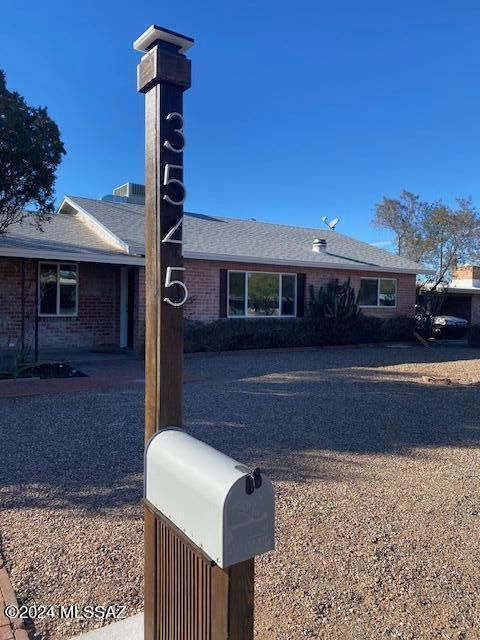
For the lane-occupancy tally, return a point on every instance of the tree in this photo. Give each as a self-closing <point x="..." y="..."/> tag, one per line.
<point x="452" y="236"/>
<point x="432" y="233"/>
<point x="30" y="151"/>
<point x="403" y="216"/>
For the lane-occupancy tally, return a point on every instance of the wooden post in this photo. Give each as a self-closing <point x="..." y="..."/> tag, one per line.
<point x="186" y="595"/>
<point x="163" y="75"/>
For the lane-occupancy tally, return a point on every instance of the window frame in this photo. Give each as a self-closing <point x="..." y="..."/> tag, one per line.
<point x="57" y="314"/>
<point x="270" y="273"/>
<point x="380" y="306"/>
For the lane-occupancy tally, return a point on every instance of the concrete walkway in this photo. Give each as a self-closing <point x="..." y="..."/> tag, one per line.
<point x="129" y="629"/>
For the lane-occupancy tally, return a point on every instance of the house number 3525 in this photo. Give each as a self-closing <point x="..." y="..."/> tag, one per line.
<point x="169" y="179"/>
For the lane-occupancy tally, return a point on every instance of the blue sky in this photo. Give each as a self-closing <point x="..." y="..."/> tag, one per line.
<point x="297" y="110"/>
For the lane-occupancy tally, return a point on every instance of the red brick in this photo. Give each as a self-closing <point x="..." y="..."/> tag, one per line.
<point x="98" y="307"/>
<point x="203" y="282"/>
<point x="98" y="321"/>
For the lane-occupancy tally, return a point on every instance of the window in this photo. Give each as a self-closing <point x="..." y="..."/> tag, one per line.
<point x="377" y="292"/>
<point x="258" y="294"/>
<point x="58" y="289"/>
<point x="236" y="293"/>
<point x="263" y="294"/>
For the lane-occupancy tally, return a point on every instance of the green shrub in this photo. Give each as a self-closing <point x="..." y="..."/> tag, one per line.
<point x="367" y="329"/>
<point x="398" y="328"/>
<point x="268" y="333"/>
<point x="248" y="333"/>
<point x="473" y="335"/>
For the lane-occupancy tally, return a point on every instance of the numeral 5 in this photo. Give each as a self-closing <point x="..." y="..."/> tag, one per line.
<point x="168" y="180"/>
<point x="169" y="283"/>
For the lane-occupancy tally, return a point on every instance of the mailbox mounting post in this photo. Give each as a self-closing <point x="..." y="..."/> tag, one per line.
<point x="162" y="75"/>
<point x="188" y="594"/>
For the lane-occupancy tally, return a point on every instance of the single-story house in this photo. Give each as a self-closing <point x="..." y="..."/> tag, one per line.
<point x="80" y="282"/>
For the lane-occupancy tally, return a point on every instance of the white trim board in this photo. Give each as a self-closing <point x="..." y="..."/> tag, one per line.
<point x="95" y="225"/>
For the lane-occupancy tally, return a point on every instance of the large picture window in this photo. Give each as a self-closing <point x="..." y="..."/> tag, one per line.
<point x="58" y="289"/>
<point x="258" y="294"/>
<point x="378" y="292"/>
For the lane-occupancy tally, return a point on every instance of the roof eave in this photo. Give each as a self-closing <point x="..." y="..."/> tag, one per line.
<point x="463" y="290"/>
<point x="197" y="255"/>
<point x="72" y="256"/>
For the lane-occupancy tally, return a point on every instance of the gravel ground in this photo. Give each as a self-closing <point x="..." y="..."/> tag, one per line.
<point x="376" y="473"/>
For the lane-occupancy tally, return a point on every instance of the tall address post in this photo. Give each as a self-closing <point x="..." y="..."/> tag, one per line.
<point x="163" y="75"/>
<point x="206" y="515"/>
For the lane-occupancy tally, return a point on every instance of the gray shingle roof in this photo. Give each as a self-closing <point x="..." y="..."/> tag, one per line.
<point x="246" y="239"/>
<point x="63" y="234"/>
<point x="205" y="236"/>
<point x="125" y="220"/>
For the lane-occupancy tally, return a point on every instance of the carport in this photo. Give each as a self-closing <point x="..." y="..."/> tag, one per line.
<point x="462" y="303"/>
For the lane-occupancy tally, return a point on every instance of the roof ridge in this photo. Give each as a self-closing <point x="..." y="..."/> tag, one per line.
<point x="106" y="202"/>
<point x="349" y="249"/>
<point x="210" y="215"/>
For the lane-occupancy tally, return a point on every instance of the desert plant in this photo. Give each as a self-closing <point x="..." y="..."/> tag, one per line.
<point x="335" y="301"/>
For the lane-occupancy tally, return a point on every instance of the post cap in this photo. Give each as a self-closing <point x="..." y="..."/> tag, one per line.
<point x="154" y="34"/>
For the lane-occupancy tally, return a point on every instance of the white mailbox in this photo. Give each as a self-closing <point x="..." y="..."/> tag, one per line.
<point x="225" y="508"/>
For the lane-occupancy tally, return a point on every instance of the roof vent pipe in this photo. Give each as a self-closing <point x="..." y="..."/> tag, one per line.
<point x="319" y="245"/>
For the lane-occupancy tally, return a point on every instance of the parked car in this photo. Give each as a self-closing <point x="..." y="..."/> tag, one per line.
<point x="449" y="327"/>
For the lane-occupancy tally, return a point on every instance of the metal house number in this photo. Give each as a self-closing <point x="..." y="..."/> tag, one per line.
<point x="167" y="179"/>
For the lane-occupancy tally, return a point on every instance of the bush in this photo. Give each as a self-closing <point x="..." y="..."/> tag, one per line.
<point x="268" y="333"/>
<point x="251" y="333"/>
<point x="398" y="328"/>
<point x="473" y="335"/>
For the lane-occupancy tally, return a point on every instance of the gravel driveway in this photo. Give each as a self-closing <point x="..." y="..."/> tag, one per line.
<point x="376" y="473"/>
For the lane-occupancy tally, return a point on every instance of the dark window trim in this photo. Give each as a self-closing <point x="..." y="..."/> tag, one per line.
<point x="274" y="273"/>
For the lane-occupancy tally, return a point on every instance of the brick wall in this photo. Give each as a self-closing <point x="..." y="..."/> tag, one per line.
<point x="97" y="322"/>
<point x="467" y="272"/>
<point x="139" y="319"/>
<point x="203" y="281"/>
<point x="11" y="300"/>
